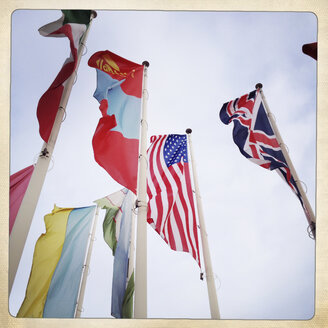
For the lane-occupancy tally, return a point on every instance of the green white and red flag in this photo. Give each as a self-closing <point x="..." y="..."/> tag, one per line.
<point x="72" y="25"/>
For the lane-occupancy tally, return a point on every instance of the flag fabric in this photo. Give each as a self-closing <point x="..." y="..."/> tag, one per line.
<point x="311" y="49"/>
<point x="18" y="184"/>
<point x="255" y="138"/>
<point x="57" y="266"/>
<point x="112" y="221"/>
<point x="72" y="25"/>
<point x="171" y="210"/>
<point x="116" y="139"/>
<point x="117" y="234"/>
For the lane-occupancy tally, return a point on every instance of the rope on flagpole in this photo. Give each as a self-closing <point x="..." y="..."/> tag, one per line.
<point x="145" y="93"/>
<point x="142" y="121"/>
<point x="65" y="114"/>
<point x="75" y="77"/>
<point x="305" y="186"/>
<point x="282" y="143"/>
<point x="310" y="230"/>
<point x="52" y="161"/>
<point x="145" y="158"/>
<point x="134" y="209"/>
<point x="216" y="278"/>
<point x="85" y="48"/>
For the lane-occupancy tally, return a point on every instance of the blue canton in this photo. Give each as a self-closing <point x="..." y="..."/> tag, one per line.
<point x="175" y="148"/>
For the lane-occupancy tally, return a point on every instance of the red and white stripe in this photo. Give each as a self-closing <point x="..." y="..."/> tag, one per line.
<point x="171" y="210"/>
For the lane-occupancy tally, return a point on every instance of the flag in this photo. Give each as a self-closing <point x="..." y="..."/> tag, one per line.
<point x="18" y="184"/>
<point x="57" y="266"/>
<point x="72" y="25"/>
<point x="310" y="49"/>
<point x="171" y="210"/>
<point x="116" y="139"/>
<point x="117" y="234"/>
<point x="112" y="221"/>
<point x="255" y="138"/>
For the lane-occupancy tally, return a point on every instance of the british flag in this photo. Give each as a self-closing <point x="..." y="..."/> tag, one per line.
<point x="255" y="138"/>
<point x="171" y="210"/>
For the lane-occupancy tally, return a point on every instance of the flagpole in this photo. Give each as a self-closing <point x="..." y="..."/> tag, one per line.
<point x="140" y="300"/>
<point x="311" y="220"/>
<point x="85" y="273"/>
<point x="211" y="288"/>
<point x="26" y="211"/>
<point x="132" y="247"/>
<point x="131" y="254"/>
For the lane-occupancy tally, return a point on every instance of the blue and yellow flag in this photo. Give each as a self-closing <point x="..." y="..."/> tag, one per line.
<point x="58" y="260"/>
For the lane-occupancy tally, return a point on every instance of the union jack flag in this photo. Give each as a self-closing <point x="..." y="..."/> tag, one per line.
<point x="255" y="138"/>
<point x="171" y="210"/>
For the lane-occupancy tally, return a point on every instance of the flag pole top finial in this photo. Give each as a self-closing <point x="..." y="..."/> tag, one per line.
<point x="188" y="131"/>
<point x="259" y="86"/>
<point x="145" y="63"/>
<point x="93" y="14"/>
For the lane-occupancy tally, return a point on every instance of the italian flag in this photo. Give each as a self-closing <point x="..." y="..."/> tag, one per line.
<point x="72" y="25"/>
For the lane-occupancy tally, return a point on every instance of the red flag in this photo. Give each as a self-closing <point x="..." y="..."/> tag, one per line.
<point x="18" y="184"/>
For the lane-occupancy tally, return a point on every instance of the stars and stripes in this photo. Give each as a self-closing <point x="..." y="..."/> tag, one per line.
<point x="255" y="138"/>
<point x="171" y="210"/>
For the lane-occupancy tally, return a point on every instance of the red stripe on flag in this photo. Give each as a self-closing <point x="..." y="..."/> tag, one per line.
<point x="254" y="151"/>
<point x="260" y="137"/>
<point x="243" y="102"/>
<point x="229" y="109"/>
<point x="170" y="233"/>
<point x="158" y="195"/>
<point x="181" y="229"/>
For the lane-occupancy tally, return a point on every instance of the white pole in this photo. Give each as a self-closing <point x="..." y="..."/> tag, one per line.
<point x="132" y="252"/>
<point x="140" y="300"/>
<point x="211" y="288"/>
<point x="132" y="246"/>
<point x="26" y="211"/>
<point x="311" y="219"/>
<point x="80" y="299"/>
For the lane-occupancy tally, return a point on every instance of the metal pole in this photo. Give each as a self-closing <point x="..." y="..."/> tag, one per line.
<point x="86" y="267"/>
<point x="26" y="211"/>
<point x="132" y="252"/>
<point x="140" y="300"/>
<point x="311" y="219"/>
<point x="211" y="288"/>
<point x="132" y="246"/>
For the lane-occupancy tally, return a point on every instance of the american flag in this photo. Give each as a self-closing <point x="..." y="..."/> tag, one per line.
<point x="254" y="136"/>
<point x="171" y="210"/>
